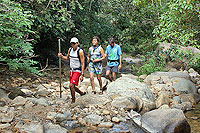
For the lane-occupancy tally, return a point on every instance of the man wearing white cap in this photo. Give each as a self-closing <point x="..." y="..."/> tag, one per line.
<point x="77" y="66"/>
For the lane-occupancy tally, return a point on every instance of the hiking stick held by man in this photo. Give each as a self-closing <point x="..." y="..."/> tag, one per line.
<point x="60" y="67"/>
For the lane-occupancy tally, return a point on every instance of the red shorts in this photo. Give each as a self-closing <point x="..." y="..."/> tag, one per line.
<point x="74" y="78"/>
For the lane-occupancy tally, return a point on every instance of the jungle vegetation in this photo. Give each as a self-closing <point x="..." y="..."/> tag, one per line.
<point x="29" y="29"/>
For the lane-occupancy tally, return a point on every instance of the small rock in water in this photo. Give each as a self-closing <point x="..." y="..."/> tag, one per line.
<point x="194" y="118"/>
<point x="115" y="119"/>
<point x="2" y="103"/>
<point x="106" y="125"/>
<point x="106" y="112"/>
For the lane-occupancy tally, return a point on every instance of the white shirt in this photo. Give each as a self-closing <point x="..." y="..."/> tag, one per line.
<point x="74" y="60"/>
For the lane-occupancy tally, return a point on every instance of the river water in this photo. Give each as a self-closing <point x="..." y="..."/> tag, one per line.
<point x="193" y="118"/>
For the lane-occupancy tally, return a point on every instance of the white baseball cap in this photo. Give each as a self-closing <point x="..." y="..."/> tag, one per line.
<point x="74" y="40"/>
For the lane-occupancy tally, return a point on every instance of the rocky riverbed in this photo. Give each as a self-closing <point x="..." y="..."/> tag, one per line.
<point x="149" y="103"/>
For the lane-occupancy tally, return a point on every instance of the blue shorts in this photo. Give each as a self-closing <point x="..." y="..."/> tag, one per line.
<point x="95" y="67"/>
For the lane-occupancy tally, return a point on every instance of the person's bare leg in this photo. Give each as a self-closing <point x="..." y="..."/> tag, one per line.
<point x="79" y="91"/>
<point x="92" y="81"/>
<point x="100" y="81"/>
<point x="108" y="75"/>
<point x="114" y="75"/>
<point x="72" y="89"/>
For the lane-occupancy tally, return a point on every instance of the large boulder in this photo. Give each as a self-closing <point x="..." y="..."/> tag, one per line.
<point x="165" y="120"/>
<point x="184" y="85"/>
<point x="165" y="76"/>
<point x="167" y="46"/>
<point x="91" y="99"/>
<point x="128" y="103"/>
<point x="127" y="87"/>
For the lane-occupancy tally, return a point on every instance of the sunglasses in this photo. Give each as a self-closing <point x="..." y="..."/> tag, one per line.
<point x="72" y="43"/>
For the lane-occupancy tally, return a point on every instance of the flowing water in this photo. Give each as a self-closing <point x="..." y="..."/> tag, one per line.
<point x="193" y="118"/>
<point x="122" y="127"/>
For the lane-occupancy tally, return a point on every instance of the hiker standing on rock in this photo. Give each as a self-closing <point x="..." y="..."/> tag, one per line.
<point x="77" y="63"/>
<point x="95" y="57"/>
<point x="114" y="64"/>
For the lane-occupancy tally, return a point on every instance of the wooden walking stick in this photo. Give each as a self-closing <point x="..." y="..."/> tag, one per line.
<point x="59" y="67"/>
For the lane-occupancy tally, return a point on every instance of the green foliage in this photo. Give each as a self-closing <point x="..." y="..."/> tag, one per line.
<point x="180" y="23"/>
<point x="153" y="61"/>
<point x="15" y="26"/>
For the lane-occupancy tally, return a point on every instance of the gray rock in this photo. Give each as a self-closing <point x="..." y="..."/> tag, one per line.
<point x="51" y="115"/>
<point x="33" y="127"/>
<point x="120" y="128"/>
<point x="167" y="46"/>
<point x="165" y="120"/>
<point x="54" y="128"/>
<point x="178" y="106"/>
<point x="177" y="99"/>
<point x="147" y="106"/>
<point x="5" y="118"/>
<point x="42" y="93"/>
<point x="19" y="101"/>
<point x="4" y="109"/>
<point x="42" y="101"/>
<point x="187" y="106"/>
<point x="128" y="103"/>
<point x="116" y="119"/>
<point x="192" y="98"/>
<point x="2" y="93"/>
<point x="61" y="117"/>
<point x="2" y="103"/>
<point x="14" y="92"/>
<point x="27" y="92"/>
<point x="127" y="87"/>
<point x="162" y="99"/>
<point x="132" y="61"/>
<point x="106" y="125"/>
<point x="183" y="85"/>
<point x="69" y="125"/>
<point x="173" y="74"/>
<point x="93" y="119"/>
<point x="91" y="99"/>
<point x="28" y="104"/>
<point x="44" y="87"/>
<point x="165" y="106"/>
<point x="25" y="87"/>
<point x="2" y="126"/>
<point x="131" y="76"/>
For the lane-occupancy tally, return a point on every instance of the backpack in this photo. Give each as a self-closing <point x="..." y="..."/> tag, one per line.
<point x="85" y="56"/>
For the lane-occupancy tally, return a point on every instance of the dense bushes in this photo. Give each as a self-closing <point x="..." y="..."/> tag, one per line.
<point x="15" y="50"/>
